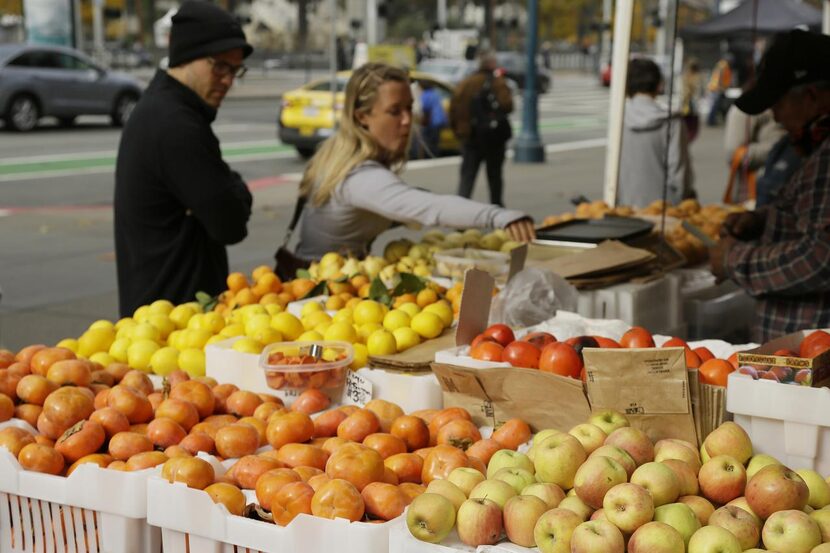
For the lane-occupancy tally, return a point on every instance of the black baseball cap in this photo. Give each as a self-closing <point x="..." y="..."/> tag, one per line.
<point x="794" y="58"/>
<point x="202" y="29"/>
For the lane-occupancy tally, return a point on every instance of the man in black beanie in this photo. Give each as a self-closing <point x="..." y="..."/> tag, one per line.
<point x="177" y="203"/>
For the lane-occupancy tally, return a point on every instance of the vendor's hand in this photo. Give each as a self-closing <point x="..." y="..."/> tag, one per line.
<point x="717" y="257"/>
<point x="521" y="230"/>
<point x="748" y="225"/>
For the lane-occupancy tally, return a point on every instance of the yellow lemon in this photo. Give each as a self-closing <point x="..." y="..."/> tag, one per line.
<point x="181" y="314"/>
<point x="410" y="308"/>
<point x="396" y="319"/>
<point x="163" y="323"/>
<point x="345" y="315"/>
<point x="443" y="310"/>
<point x="195" y="338"/>
<point x="368" y="311"/>
<point x="215" y="339"/>
<point x="140" y="352"/>
<point x="310" y="307"/>
<point x="69" y="343"/>
<point x="366" y="330"/>
<point x="428" y="325"/>
<point x="126" y="321"/>
<point x="95" y="340"/>
<point x="335" y="302"/>
<point x="313" y="319"/>
<point x="406" y="338"/>
<point x="341" y="332"/>
<point x="248" y="345"/>
<point x="361" y="357"/>
<point x="426" y="297"/>
<point x="164" y="361"/>
<point x="234" y="329"/>
<point x="381" y="342"/>
<point x="140" y="313"/>
<point x="266" y="336"/>
<point x="310" y="336"/>
<point x="288" y="325"/>
<point x="353" y="303"/>
<point x="162" y="307"/>
<point x="102" y="358"/>
<point x="249" y="311"/>
<point x="257" y="323"/>
<point x="192" y="361"/>
<point x="273" y="308"/>
<point x="195" y="321"/>
<point x="322" y="327"/>
<point x="213" y="322"/>
<point x="175" y="339"/>
<point x="145" y="331"/>
<point x="118" y="349"/>
<point x="102" y="323"/>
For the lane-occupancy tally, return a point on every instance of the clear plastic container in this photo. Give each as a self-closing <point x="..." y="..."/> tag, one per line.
<point x="454" y="263"/>
<point x="302" y="365"/>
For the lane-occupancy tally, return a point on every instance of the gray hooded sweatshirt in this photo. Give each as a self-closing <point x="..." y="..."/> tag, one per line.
<point x="642" y="161"/>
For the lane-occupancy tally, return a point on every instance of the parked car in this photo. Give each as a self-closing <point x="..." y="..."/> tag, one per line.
<point x="513" y="65"/>
<point x="452" y="71"/>
<point x="38" y="81"/>
<point x="305" y="117"/>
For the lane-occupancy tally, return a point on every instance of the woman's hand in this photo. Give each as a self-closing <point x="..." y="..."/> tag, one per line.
<point x="521" y="230"/>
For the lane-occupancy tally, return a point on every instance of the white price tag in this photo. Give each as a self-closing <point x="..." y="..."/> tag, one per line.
<point x="357" y="391"/>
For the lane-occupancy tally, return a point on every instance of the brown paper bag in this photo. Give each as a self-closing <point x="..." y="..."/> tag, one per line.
<point x="649" y="386"/>
<point x="495" y="395"/>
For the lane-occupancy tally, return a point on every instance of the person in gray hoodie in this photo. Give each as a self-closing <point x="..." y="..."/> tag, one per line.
<point x="643" y="168"/>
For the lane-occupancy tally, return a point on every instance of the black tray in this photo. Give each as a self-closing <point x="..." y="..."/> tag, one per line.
<point x="596" y="230"/>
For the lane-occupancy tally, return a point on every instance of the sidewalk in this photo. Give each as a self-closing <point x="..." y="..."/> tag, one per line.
<point x="75" y="267"/>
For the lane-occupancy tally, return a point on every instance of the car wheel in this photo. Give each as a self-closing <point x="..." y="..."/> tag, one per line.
<point x="122" y="108"/>
<point x="23" y="113"/>
<point x="66" y="121"/>
<point x="305" y="153"/>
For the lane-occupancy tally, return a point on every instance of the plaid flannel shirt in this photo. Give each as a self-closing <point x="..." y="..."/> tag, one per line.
<point x="788" y="268"/>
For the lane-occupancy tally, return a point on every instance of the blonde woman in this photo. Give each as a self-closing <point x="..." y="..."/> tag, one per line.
<point x="352" y="186"/>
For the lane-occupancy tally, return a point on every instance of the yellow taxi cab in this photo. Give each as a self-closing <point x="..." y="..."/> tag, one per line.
<point x="305" y="117"/>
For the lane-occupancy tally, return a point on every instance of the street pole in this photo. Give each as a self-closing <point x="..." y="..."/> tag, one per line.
<point x="371" y="22"/>
<point x="442" y="14"/>
<point x="605" y="48"/>
<point x="663" y="30"/>
<point x="528" y="147"/>
<point x="333" y="63"/>
<point x="98" y="29"/>
<point x="825" y="27"/>
<point x="619" y="75"/>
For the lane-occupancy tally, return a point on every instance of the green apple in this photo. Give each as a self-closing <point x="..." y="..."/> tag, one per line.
<point x="608" y="420"/>
<point x="679" y="516"/>
<point x="430" y="517"/>
<point x="729" y="439"/>
<point x="516" y="477"/>
<point x="819" y="489"/>
<point x="677" y="449"/>
<point x="742" y="525"/>
<point x="713" y="539"/>
<point x="494" y="490"/>
<point x="589" y="435"/>
<point x="822" y="518"/>
<point x="619" y="455"/>
<point x="791" y="531"/>
<point x="578" y="506"/>
<point x="656" y="537"/>
<point x="628" y="506"/>
<point x="758" y="462"/>
<point x="597" y="536"/>
<point x="466" y="478"/>
<point x="554" y="529"/>
<point x="702" y="508"/>
<point x="507" y="458"/>
<point x="557" y="460"/>
<point x="659" y="480"/>
<point x="448" y="490"/>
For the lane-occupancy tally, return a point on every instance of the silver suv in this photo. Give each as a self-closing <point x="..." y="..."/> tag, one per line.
<point x="38" y="81"/>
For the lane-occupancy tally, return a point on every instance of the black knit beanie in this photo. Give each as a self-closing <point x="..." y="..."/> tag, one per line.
<point x="202" y="29"/>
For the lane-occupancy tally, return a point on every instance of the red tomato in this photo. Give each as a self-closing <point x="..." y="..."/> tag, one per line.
<point x="562" y="359"/>
<point x="581" y="342"/>
<point x="501" y="333"/>
<point x="607" y="342"/>
<point x="481" y="338"/>
<point x="675" y="343"/>
<point x="522" y="354"/>
<point x="809" y="344"/>
<point x="487" y="351"/>
<point x="637" y="337"/>
<point x="703" y="353"/>
<point x="715" y="372"/>
<point x="539" y="339"/>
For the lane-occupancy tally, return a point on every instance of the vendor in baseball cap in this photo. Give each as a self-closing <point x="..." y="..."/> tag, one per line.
<point x="794" y="58"/>
<point x="201" y="29"/>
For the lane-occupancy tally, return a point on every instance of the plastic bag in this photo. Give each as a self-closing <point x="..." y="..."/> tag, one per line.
<point x="532" y="296"/>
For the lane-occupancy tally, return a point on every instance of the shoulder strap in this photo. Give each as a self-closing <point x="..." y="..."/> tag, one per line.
<point x="295" y="218"/>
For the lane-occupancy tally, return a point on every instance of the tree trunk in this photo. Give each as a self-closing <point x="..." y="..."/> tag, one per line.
<point x="302" y="24"/>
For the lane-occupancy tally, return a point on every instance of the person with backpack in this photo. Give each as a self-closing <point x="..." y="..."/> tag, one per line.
<point x="478" y="116"/>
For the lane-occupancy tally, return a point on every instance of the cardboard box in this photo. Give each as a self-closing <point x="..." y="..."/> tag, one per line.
<point x="819" y="365"/>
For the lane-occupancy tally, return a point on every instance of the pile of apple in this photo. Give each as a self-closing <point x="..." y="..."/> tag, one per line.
<point x="604" y="487"/>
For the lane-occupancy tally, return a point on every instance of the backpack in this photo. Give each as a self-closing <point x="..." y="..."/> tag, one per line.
<point x="488" y="121"/>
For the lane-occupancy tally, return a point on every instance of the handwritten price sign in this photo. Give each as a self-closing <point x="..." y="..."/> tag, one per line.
<point x="357" y="391"/>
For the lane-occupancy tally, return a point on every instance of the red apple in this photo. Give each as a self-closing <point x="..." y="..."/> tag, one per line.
<point x="702" y="508"/>
<point x="742" y="525"/>
<point x="619" y="455"/>
<point x="722" y="479"/>
<point x="628" y="506"/>
<point x="479" y="522"/>
<point x="729" y="439"/>
<point x="597" y="536"/>
<point x="520" y="516"/>
<point x="660" y="482"/>
<point x="635" y="442"/>
<point x="791" y="531"/>
<point x="686" y="476"/>
<point x="776" y="488"/>
<point x="595" y="477"/>
<point x="656" y="537"/>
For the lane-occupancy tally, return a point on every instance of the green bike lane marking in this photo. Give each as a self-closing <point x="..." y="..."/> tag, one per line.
<point x="82" y="162"/>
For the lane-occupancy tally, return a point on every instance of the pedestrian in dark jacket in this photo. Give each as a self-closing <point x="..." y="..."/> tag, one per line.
<point x="478" y="117"/>
<point x="177" y="203"/>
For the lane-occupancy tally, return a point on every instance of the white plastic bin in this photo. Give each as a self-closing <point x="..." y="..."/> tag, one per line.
<point x="402" y="541"/>
<point x="789" y="422"/>
<point x="94" y="510"/>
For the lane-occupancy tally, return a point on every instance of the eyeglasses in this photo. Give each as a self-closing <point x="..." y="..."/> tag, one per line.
<point x="223" y="69"/>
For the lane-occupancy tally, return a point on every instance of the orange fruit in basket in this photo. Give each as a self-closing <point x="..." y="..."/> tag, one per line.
<point x="271" y="482"/>
<point x="228" y="495"/>
<point x="441" y="461"/>
<point x="124" y="445"/>
<point x="445" y="416"/>
<point x="14" y="439"/>
<point x="386" y="412"/>
<point x="64" y="407"/>
<point x="484" y="449"/>
<point x="487" y="351"/>
<point x="242" y="403"/>
<point x="182" y="412"/>
<point x="28" y="413"/>
<point x="261" y="428"/>
<point x="458" y="433"/>
<point x="560" y="358"/>
<point x="389" y="476"/>
<point x="41" y="458"/>
<point x="197" y="393"/>
<point x="411" y="490"/>
<point x="425" y="415"/>
<point x="236" y="440"/>
<point x="637" y="337"/>
<point x="358" y="425"/>
<point x="385" y="444"/>
<point x="357" y="464"/>
<point x="522" y="354"/>
<point x="198" y="441"/>
<point x="290" y="501"/>
<point x="290" y="427"/>
<point x="236" y="282"/>
<point x="715" y="372"/>
<point x="6" y="408"/>
<point x="318" y="481"/>
<point x="132" y="403"/>
<point x="303" y="455"/>
<point x="412" y="430"/>
<point x="269" y="283"/>
<point x="194" y="472"/>
<point x="703" y="354"/>
<point x="6" y="358"/>
<point x="816" y="337"/>
<point x="138" y="380"/>
<point x="406" y="466"/>
<point x="46" y="357"/>
<point x="164" y="432"/>
<point x="384" y="501"/>
<point x="249" y="468"/>
<point x="146" y="460"/>
<point x="100" y="459"/>
<point x="267" y="409"/>
<point x="325" y="425"/>
<point x="221" y="393"/>
<point x="512" y="434"/>
<point x="85" y="438"/>
<point x="306" y="473"/>
<point x="338" y="499"/>
<point x="675" y="343"/>
<point x="25" y="355"/>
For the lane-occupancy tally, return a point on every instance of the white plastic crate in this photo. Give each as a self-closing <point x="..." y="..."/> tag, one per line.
<point x="411" y="391"/>
<point x="654" y="305"/>
<point x="786" y="421"/>
<point x="191" y="522"/>
<point x="94" y="510"/>
<point x="402" y="541"/>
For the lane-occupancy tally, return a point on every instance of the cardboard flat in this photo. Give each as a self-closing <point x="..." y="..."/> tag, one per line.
<point x="650" y="386"/>
<point x="608" y="257"/>
<point x="493" y="396"/>
<point x="762" y="355"/>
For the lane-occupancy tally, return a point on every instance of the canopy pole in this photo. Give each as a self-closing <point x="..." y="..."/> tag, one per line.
<point x="825" y="26"/>
<point x="619" y="74"/>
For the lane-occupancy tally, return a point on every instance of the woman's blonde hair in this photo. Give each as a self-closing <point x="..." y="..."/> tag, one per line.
<point x="352" y="144"/>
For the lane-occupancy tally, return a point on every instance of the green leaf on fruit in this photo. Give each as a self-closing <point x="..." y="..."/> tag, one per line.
<point x="379" y="293"/>
<point x="206" y="301"/>
<point x="408" y="284"/>
<point x="343" y="278"/>
<point x="303" y="273"/>
<point x="320" y="289"/>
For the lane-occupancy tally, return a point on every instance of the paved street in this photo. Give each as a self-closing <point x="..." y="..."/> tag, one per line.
<point x="57" y="269"/>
